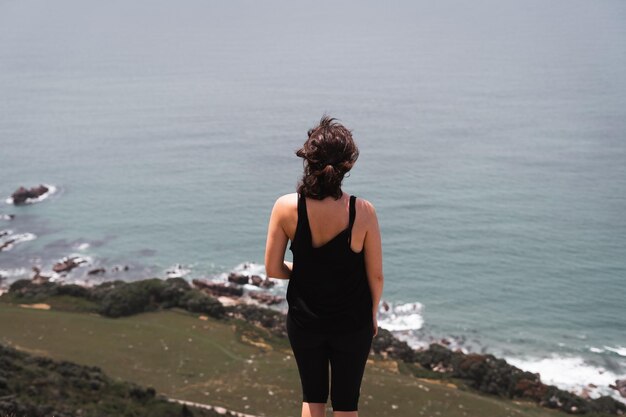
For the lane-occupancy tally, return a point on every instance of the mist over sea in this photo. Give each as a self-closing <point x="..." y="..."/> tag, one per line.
<point x="492" y="138"/>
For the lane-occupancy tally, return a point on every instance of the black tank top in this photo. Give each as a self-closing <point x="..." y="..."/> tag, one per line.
<point x="328" y="291"/>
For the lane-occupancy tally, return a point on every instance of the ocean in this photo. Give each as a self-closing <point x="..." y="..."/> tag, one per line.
<point x="492" y="138"/>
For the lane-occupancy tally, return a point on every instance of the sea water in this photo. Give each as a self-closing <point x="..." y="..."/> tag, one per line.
<point x="492" y="138"/>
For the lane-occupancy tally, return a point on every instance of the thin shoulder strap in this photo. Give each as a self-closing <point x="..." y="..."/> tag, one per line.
<point x="352" y="217"/>
<point x="303" y="218"/>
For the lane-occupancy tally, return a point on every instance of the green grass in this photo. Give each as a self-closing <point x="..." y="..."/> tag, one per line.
<point x="228" y="363"/>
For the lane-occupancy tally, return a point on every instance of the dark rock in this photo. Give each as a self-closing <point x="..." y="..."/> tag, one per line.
<point x="7" y="244"/>
<point x="260" y="282"/>
<point x="96" y="271"/>
<point x="390" y="346"/>
<point x="238" y="278"/>
<point x="67" y="264"/>
<point x="266" y="298"/>
<point x="620" y="386"/>
<point x="218" y="288"/>
<point x="118" y="268"/>
<point x="492" y="375"/>
<point x="22" y="194"/>
<point x="38" y="278"/>
<point x="606" y="404"/>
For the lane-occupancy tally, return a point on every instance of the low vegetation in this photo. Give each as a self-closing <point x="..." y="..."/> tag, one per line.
<point x="36" y="386"/>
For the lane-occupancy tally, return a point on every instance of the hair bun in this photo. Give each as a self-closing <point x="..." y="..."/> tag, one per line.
<point x="329" y="153"/>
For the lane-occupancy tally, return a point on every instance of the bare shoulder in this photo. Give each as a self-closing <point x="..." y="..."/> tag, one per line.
<point x="366" y="210"/>
<point x="286" y="203"/>
<point x="287" y="200"/>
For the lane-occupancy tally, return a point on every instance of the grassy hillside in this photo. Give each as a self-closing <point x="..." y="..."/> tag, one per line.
<point x="227" y="362"/>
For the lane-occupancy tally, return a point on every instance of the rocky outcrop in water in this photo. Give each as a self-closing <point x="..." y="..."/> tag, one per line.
<point x="620" y="386"/>
<point x="6" y="244"/>
<point x="22" y="194"/>
<point x="67" y="264"/>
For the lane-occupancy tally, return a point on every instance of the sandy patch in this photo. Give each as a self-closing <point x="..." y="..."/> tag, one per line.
<point x="39" y="306"/>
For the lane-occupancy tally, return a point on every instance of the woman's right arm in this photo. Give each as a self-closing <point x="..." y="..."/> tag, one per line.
<point x="373" y="260"/>
<point x="276" y="244"/>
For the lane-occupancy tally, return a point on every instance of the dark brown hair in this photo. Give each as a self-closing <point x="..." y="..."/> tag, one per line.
<point x="328" y="154"/>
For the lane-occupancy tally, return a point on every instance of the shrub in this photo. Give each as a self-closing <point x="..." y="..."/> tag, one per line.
<point x="199" y="302"/>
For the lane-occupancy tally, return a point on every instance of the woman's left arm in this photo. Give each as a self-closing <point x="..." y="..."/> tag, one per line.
<point x="276" y="244"/>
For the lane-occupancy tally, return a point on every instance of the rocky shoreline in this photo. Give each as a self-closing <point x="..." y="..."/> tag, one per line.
<point x="485" y="373"/>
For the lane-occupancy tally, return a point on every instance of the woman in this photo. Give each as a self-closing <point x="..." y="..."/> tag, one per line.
<point x="336" y="278"/>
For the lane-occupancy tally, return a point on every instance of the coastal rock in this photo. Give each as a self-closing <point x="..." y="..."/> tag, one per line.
<point x="238" y="278"/>
<point x="22" y="194"/>
<point x="6" y="244"/>
<point x="38" y="278"/>
<point x="620" y="386"/>
<point x="492" y="375"/>
<point x="217" y="288"/>
<point x="265" y="298"/>
<point x="387" y="345"/>
<point x="118" y="268"/>
<point x="67" y="264"/>
<point x="260" y="282"/>
<point x="96" y="271"/>
<point x="7" y="216"/>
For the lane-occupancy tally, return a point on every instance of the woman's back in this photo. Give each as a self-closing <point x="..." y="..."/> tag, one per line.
<point x="328" y="290"/>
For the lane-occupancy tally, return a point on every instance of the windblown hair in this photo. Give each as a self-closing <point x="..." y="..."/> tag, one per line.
<point x="328" y="154"/>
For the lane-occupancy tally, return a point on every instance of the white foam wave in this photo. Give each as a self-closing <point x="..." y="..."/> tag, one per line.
<point x="51" y="190"/>
<point x="177" y="271"/>
<point x="620" y="350"/>
<point x="83" y="246"/>
<point x="249" y="269"/>
<point x="571" y="373"/>
<point x="15" y="272"/>
<point x="6" y="216"/>
<point x="401" y="317"/>
<point x="18" y="238"/>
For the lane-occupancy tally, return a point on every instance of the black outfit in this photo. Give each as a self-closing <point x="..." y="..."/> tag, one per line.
<point x="330" y="314"/>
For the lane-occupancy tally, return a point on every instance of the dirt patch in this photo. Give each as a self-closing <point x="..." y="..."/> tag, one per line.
<point x="258" y="343"/>
<point x="439" y="382"/>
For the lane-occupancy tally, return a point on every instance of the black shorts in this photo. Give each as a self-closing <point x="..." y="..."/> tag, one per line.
<point x="347" y="354"/>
